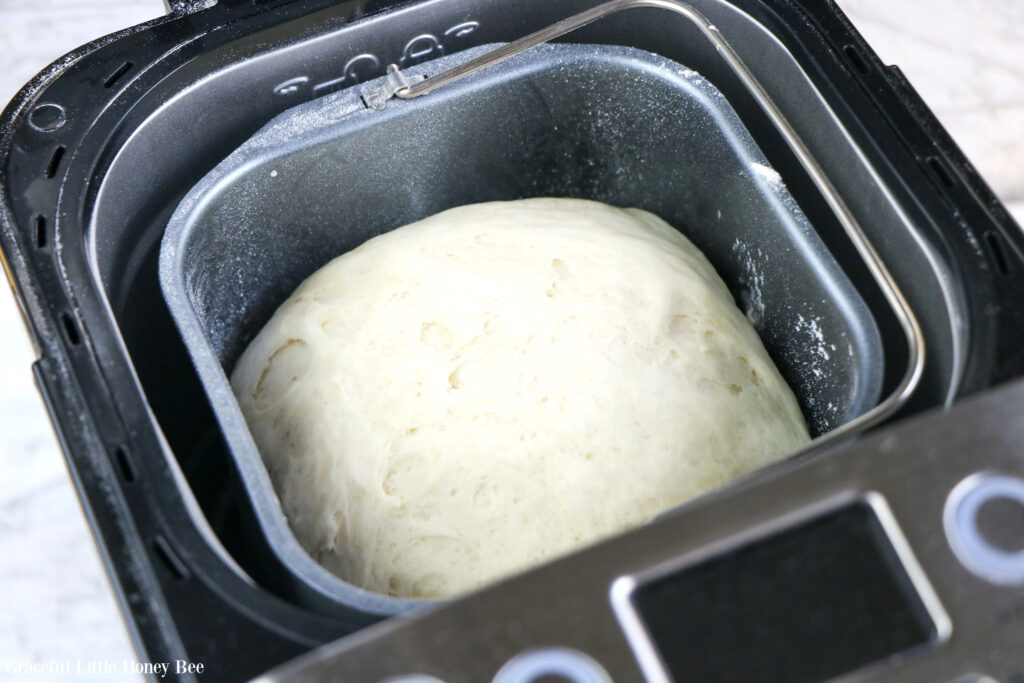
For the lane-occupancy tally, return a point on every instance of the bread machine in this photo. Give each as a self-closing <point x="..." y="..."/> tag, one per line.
<point x="891" y="549"/>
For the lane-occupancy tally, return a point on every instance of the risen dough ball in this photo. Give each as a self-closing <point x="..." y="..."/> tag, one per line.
<point x="500" y="383"/>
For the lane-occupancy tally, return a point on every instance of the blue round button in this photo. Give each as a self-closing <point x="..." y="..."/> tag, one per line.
<point x="969" y="544"/>
<point x="552" y="661"/>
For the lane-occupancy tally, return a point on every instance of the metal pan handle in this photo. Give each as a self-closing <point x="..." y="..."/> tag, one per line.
<point x="399" y="85"/>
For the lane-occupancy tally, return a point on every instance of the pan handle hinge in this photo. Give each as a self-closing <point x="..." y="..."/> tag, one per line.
<point x="394" y="83"/>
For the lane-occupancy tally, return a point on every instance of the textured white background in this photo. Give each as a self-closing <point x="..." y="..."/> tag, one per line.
<point x="963" y="56"/>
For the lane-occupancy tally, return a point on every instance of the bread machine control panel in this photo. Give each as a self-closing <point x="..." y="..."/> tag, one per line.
<point x="899" y="557"/>
<point x="840" y="577"/>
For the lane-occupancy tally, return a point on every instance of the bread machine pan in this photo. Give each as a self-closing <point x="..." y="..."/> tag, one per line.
<point x="609" y="123"/>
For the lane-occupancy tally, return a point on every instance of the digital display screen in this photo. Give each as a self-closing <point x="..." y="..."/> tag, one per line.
<point x="820" y="599"/>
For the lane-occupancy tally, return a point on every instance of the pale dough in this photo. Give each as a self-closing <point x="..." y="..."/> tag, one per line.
<point x="495" y="385"/>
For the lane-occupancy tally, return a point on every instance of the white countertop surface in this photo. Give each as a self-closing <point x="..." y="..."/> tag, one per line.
<point x="963" y="56"/>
